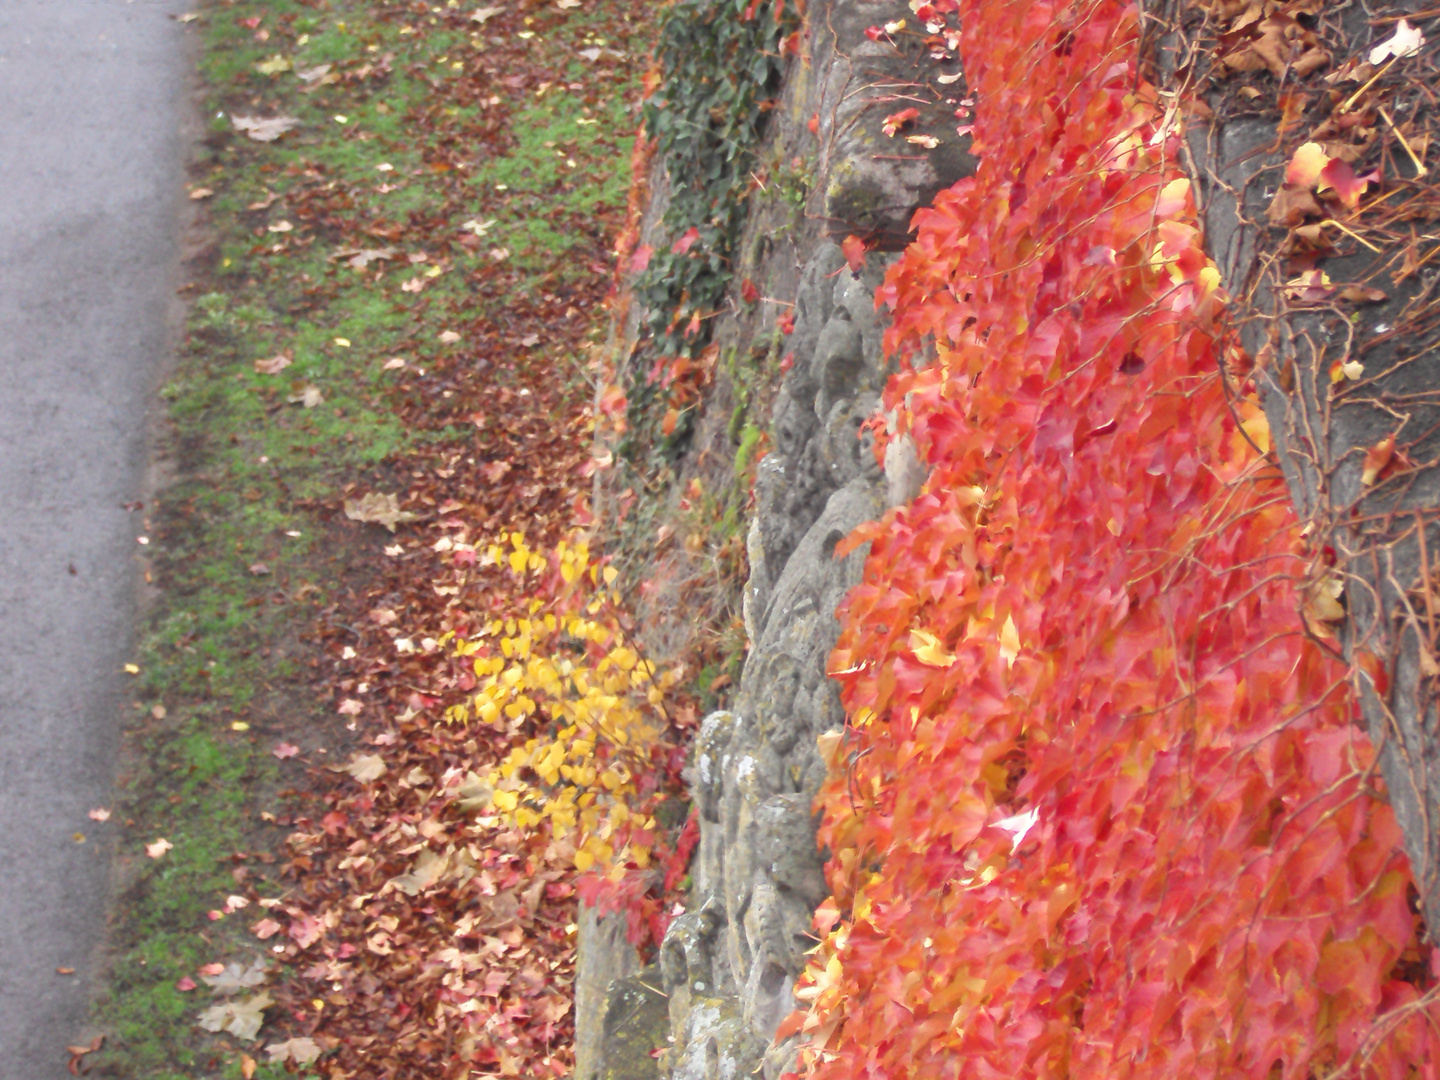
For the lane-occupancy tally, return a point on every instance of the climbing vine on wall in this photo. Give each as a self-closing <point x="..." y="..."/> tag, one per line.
<point x="721" y="63"/>
<point x="1139" y="832"/>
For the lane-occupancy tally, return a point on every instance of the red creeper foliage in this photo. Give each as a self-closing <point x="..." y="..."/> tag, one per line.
<point x="1090" y="623"/>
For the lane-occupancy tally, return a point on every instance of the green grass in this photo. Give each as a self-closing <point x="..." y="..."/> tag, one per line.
<point x="247" y="544"/>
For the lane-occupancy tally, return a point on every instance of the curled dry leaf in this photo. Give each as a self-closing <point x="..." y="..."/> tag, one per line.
<point x="158" y="848"/>
<point x="264" y="130"/>
<point x="378" y="509"/>
<point x="77" y="1053"/>
<point x="274" y="365"/>
<point x="360" y="258"/>
<point x="1362" y="294"/>
<point x="1376" y="458"/>
<point x="301" y="1050"/>
<point x="1311" y="287"/>
<point x="895" y="121"/>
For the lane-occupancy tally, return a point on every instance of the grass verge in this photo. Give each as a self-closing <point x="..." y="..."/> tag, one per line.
<point x="435" y="220"/>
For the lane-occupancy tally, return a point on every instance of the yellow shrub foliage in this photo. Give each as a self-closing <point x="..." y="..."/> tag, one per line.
<point x="567" y="668"/>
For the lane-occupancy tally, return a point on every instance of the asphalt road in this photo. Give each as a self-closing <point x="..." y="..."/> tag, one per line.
<point x="91" y="107"/>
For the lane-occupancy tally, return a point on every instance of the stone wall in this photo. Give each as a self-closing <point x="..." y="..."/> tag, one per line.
<point x="709" y="1006"/>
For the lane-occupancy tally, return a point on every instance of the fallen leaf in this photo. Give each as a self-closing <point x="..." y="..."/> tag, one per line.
<point x="929" y="142"/>
<point x="274" y="66"/>
<point x="185" y="985"/>
<point x="234" y="977"/>
<point x="78" y="1052"/>
<point x="428" y="869"/>
<point x="265" y="929"/>
<point x="360" y="258"/>
<point x="393" y="363"/>
<point x="300" y="1050"/>
<point x="240" y="1018"/>
<point x="306" y="930"/>
<point x="313" y="74"/>
<point x="247" y="1067"/>
<point x="484" y="14"/>
<point x="309" y="397"/>
<point x="274" y="365"/>
<point x="281" y="226"/>
<point x="350" y="707"/>
<point x="264" y="130"/>
<point x="473" y="793"/>
<point x="201" y="193"/>
<point x="99" y="814"/>
<point x="448" y="337"/>
<point x="378" y="509"/>
<point x="1406" y="41"/>
<point x="158" y="848"/>
<point x="285" y="750"/>
<point x="366" y="767"/>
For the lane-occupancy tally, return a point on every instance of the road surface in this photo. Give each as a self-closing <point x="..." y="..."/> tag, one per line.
<point x="92" y="97"/>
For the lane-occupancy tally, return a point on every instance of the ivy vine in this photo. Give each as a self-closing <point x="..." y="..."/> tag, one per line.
<point x="721" y="68"/>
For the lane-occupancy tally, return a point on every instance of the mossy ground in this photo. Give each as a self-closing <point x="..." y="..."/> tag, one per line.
<point x="405" y="139"/>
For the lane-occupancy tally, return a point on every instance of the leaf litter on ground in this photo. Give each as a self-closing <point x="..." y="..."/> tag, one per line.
<point x="419" y="937"/>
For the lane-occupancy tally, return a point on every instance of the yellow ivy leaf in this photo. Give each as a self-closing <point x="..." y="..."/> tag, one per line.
<point x="927" y="649"/>
<point x="1009" y="641"/>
